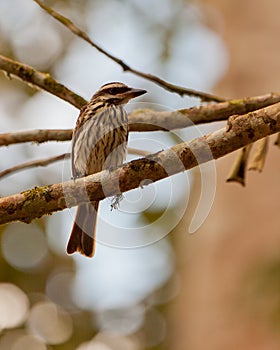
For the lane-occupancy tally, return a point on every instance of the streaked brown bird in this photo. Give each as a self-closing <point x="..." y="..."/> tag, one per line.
<point x="99" y="142"/>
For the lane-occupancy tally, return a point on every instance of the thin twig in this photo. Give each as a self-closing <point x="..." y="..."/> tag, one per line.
<point x="138" y="152"/>
<point x="244" y="130"/>
<point x="33" y="163"/>
<point x="51" y="160"/>
<point x="126" y="68"/>
<point x="41" y="80"/>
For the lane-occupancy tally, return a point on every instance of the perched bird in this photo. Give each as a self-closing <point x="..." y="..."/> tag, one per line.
<point x="99" y="142"/>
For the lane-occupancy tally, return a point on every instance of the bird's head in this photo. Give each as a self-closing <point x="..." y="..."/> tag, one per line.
<point x="116" y="93"/>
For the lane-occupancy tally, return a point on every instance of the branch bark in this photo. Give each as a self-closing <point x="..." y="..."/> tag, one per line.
<point x="41" y="80"/>
<point x="149" y="120"/>
<point x="240" y="131"/>
<point x="38" y="136"/>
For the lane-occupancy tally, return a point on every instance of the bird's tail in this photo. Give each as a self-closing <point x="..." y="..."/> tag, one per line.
<point x="82" y="238"/>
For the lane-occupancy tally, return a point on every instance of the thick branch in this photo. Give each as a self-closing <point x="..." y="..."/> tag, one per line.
<point x="42" y="80"/>
<point x="241" y="131"/>
<point x="149" y="120"/>
<point x="166" y="85"/>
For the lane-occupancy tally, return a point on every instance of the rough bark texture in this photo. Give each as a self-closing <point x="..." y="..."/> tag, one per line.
<point x="149" y="120"/>
<point x="240" y="131"/>
<point x="39" y="79"/>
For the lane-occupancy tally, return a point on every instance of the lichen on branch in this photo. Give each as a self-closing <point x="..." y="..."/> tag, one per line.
<point x="41" y="80"/>
<point x="242" y="131"/>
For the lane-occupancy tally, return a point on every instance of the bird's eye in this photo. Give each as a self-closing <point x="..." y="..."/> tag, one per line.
<point x="113" y="91"/>
<point x="117" y="90"/>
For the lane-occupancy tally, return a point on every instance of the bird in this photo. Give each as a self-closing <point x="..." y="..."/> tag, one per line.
<point x="99" y="142"/>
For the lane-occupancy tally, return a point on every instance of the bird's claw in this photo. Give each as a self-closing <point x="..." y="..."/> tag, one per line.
<point x="115" y="201"/>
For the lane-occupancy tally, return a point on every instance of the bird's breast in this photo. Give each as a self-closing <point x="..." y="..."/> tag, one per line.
<point x="101" y="142"/>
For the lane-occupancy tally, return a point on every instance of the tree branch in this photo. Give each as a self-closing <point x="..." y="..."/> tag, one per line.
<point x="33" y="163"/>
<point x="50" y="160"/>
<point x="149" y="120"/>
<point x="41" y="80"/>
<point x="240" y="131"/>
<point x="38" y="136"/>
<point x="126" y="68"/>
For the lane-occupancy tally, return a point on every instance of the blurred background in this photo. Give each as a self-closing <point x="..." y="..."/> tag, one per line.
<point x="145" y="289"/>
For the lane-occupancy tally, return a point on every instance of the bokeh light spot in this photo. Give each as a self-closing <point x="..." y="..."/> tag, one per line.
<point x="50" y="322"/>
<point x="94" y="345"/>
<point x="14" y="306"/>
<point x="122" y="321"/>
<point x="56" y="282"/>
<point x="110" y="341"/>
<point x="24" y="246"/>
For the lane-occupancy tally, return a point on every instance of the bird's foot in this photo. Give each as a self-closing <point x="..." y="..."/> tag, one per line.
<point x="115" y="201"/>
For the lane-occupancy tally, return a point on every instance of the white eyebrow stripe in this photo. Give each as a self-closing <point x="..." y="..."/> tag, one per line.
<point x="112" y="85"/>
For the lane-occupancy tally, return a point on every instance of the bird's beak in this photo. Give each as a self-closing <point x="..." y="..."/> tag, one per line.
<point x="134" y="93"/>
